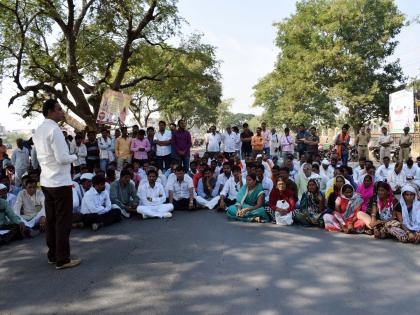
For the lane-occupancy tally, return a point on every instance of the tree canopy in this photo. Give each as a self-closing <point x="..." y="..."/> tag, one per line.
<point x="334" y="56"/>
<point x="74" y="50"/>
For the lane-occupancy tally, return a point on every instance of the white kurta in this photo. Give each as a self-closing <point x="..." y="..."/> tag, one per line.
<point x="152" y="200"/>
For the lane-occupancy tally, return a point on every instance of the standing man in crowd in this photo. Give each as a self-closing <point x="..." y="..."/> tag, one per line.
<point x="266" y="136"/>
<point x="312" y="142"/>
<point x="361" y="142"/>
<point x="181" y="140"/>
<point x="150" y="131"/>
<point x="92" y="159"/>
<point x="286" y="143"/>
<point x="229" y="142"/>
<point x="105" y="150"/>
<point x="163" y="140"/>
<point x="122" y="148"/>
<point x="56" y="183"/>
<point x="213" y="140"/>
<point x="300" y="140"/>
<point x="3" y="152"/>
<point x="257" y="142"/>
<point x="20" y="160"/>
<point x="343" y="144"/>
<point x="246" y="137"/>
<point x="406" y="141"/>
<point x="385" y="140"/>
<point x="274" y="143"/>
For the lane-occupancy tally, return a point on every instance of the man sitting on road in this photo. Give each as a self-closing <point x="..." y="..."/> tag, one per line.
<point x="207" y="193"/>
<point x="96" y="206"/>
<point x="384" y="170"/>
<point x="231" y="189"/>
<point x="181" y="190"/>
<point x="152" y="198"/>
<point x="30" y="205"/>
<point x="123" y="194"/>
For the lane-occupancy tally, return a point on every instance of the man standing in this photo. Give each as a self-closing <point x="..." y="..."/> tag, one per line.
<point x="3" y="152"/>
<point x="266" y="136"/>
<point x="257" y="142"/>
<point x="312" y="142"/>
<point x="56" y="183"/>
<point x="385" y="140"/>
<point x="79" y="149"/>
<point x="181" y="140"/>
<point x="300" y="137"/>
<point x="213" y="141"/>
<point x="105" y="145"/>
<point x="286" y="142"/>
<point x="274" y="143"/>
<point x="150" y="131"/>
<point x="20" y="160"/>
<point x="361" y="142"/>
<point x="246" y="137"/>
<point x="163" y="147"/>
<point x="406" y="141"/>
<point x="229" y="142"/>
<point x="122" y="148"/>
<point x="92" y="148"/>
<point x="343" y="144"/>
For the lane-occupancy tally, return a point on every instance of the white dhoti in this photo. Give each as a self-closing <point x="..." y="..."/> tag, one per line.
<point x="210" y="204"/>
<point x="31" y="223"/>
<point x="156" y="211"/>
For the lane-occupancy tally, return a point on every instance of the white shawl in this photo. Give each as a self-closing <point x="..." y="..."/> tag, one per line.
<point x="413" y="222"/>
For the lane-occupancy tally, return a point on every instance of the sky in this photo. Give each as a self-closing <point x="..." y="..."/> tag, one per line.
<point x="243" y="33"/>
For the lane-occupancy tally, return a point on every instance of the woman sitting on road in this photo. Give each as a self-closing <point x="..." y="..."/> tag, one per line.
<point x="380" y="211"/>
<point x="366" y="189"/>
<point x="312" y="206"/>
<point x="408" y="215"/>
<point x="344" y="218"/>
<point x="249" y="205"/>
<point x="333" y="192"/>
<point x="281" y="201"/>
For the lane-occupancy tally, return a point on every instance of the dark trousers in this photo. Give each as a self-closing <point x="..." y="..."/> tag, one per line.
<point x="108" y="218"/>
<point x="14" y="233"/>
<point x="164" y="162"/>
<point x="183" y="161"/>
<point x="229" y="155"/>
<point x="59" y="215"/>
<point x="182" y="204"/>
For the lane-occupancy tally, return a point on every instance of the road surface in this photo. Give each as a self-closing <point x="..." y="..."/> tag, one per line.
<point x="200" y="263"/>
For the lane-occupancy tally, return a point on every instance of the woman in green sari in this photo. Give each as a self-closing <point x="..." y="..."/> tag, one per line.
<point x="249" y="205"/>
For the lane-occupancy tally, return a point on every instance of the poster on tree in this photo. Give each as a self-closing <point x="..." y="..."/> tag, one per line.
<point x="113" y="108"/>
<point x="401" y="111"/>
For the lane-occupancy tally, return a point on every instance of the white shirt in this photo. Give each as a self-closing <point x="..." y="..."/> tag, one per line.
<point x="80" y="152"/>
<point x="20" y="158"/>
<point x="106" y="148"/>
<point x="231" y="188"/>
<point x="238" y="142"/>
<point x="151" y="196"/>
<point x="359" y="174"/>
<point x="163" y="150"/>
<point x="77" y="198"/>
<point x="53" y="155"/>
<point x="395" y="180"/>
<point x="221" y="181"/>
<point x="275" y="141"/>
<point x="267" y="185"/>
<point x="287" y="143"/>
<point x="229" y="142"/>
<point x="94" y="202"/>
<point x="213" y="142"/>
<point x="383" y="172"/>
<point x="329" y="173"/>
<point x="28" y="205"/>
<point x="180" y="189"/>
<point x="410" y="172"/>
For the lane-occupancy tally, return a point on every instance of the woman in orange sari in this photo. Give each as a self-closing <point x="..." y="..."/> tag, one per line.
<point x="343" y="144"/>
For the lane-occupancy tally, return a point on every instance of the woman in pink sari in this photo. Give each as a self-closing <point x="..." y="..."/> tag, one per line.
<point x="366" y="190"/>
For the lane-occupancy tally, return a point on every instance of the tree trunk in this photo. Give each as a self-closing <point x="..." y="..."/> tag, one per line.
<point x="78" y="126"/>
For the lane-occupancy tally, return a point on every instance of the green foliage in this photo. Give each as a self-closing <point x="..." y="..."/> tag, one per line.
<point x="227" y="118"/>
<point x="74" y="50"/>
<point x="334" y="54"/>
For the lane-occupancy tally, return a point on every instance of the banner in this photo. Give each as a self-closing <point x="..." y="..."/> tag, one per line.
<point x="401" y="111"/>
<point x="113" y="109"/>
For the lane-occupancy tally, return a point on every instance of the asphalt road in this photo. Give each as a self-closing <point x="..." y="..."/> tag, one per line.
<point x="200" y="263"/>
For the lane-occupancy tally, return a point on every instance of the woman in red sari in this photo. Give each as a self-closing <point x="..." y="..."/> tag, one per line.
<point x="280" y="196"/>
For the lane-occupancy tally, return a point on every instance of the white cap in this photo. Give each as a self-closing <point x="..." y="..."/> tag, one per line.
<point x="87" y="176"/>
<point x="259" y="156"/>
<point x="325" y="162"/>
<point x="2" y="186"/>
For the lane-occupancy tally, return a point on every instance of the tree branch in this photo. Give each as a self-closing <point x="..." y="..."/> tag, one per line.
<point x="80" y="18"/>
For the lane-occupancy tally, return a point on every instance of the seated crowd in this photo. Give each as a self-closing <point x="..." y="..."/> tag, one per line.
<point x="150" y="175"/>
